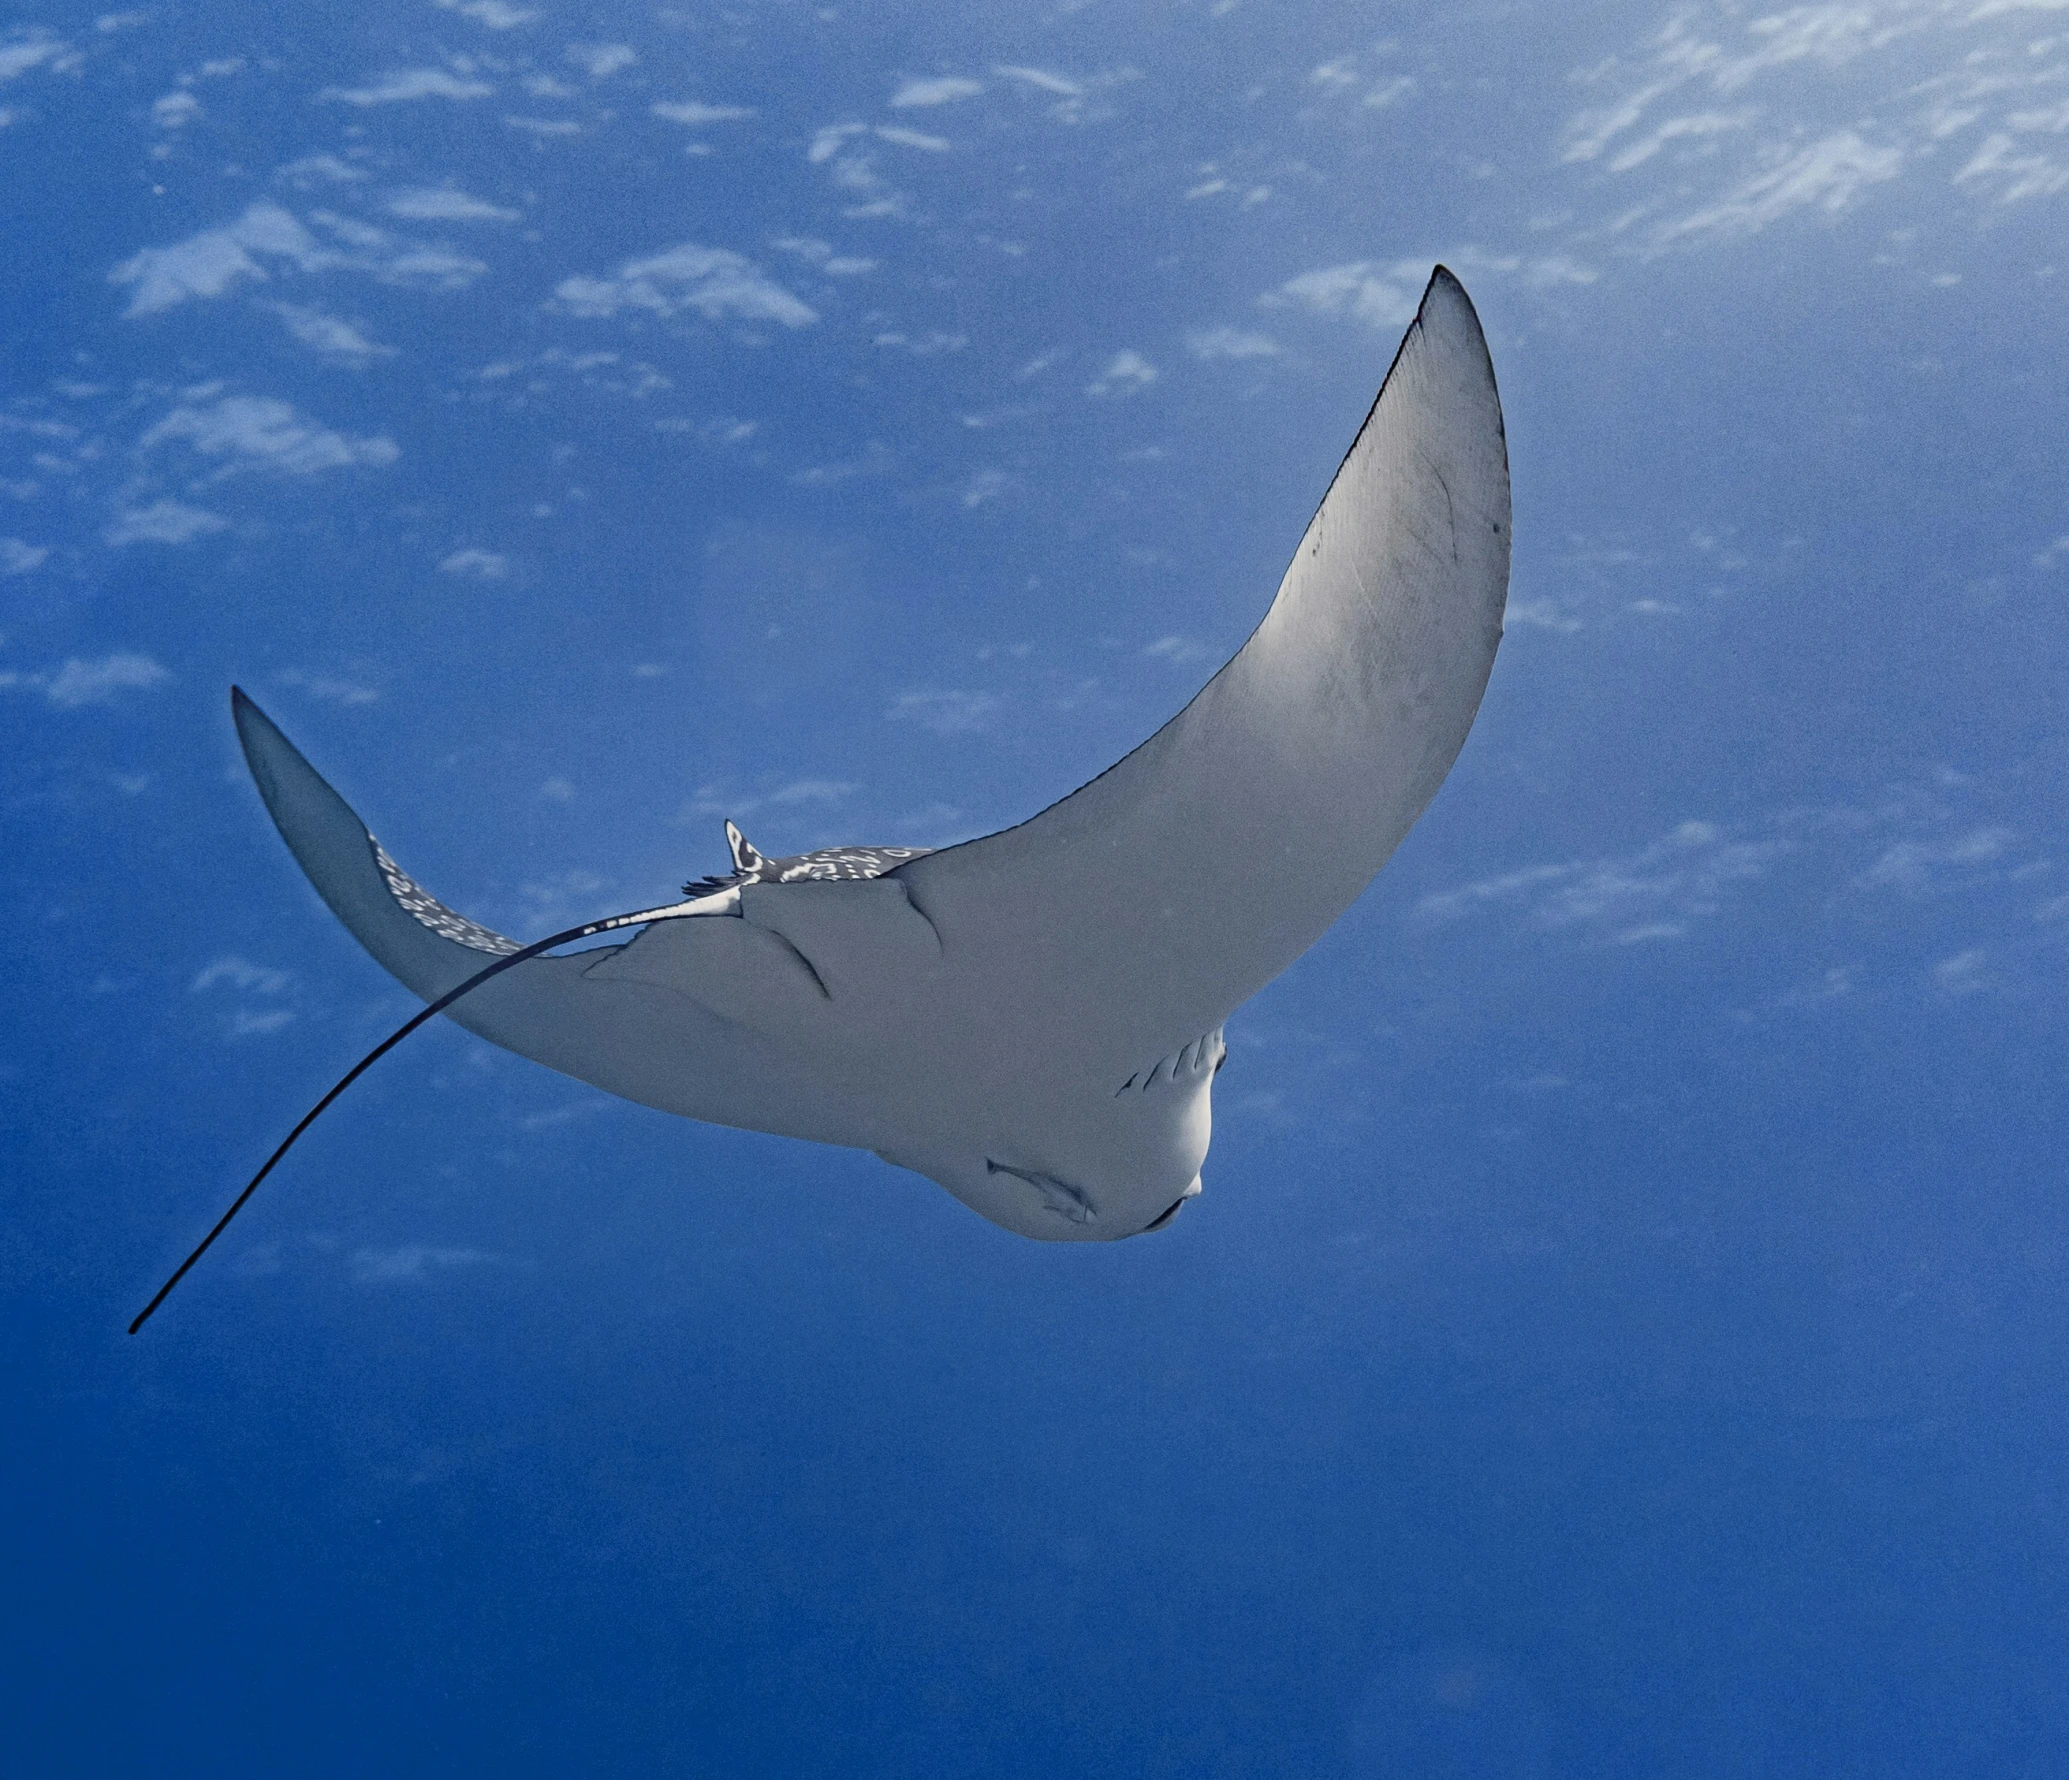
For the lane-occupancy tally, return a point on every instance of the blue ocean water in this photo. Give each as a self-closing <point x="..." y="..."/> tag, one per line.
<point x="1622" y="1331"/>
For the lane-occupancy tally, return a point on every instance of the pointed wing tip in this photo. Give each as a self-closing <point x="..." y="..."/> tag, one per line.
<point x="278" y="768"/>
<point x="257" y="734"/>
<point x="1448" y="322"/>
<point x="1445" y="297"/>
<point x="244" y="710"/>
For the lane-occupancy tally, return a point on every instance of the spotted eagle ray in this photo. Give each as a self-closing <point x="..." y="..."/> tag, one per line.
<point x="1032" y="1019"/>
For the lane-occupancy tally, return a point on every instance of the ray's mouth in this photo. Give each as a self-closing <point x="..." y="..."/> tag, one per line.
<point x="1172" y="1210"/>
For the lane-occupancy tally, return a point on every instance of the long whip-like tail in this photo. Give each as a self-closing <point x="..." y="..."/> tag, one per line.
<point x="698" y="906"/>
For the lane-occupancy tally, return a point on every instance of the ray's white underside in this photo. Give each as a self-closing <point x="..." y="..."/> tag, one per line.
<point x="1033" y="1019"/>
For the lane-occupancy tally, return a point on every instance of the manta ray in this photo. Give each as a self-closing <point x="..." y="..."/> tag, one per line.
<point x="1032" y="1019"/>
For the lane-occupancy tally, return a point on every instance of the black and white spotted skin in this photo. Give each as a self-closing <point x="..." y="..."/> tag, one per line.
<point x="430" y="912"/>
<point x="826" y="865"/>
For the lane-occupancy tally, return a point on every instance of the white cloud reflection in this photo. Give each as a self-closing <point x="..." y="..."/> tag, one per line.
<point x="406" y="84"/>
<point x="717" y="284"/>
<point x="264" y="432"/>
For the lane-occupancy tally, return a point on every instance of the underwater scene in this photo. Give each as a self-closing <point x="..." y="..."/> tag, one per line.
<point x="1592" y="1302"/>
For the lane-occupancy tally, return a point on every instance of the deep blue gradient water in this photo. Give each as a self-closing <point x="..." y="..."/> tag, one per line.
<point x="1623" y="1332"/>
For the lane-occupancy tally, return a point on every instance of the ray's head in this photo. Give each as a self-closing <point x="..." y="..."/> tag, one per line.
<point x="1124" y="1168"/>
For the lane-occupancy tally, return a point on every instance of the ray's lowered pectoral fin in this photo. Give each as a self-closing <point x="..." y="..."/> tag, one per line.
<point x="723" y="964"/>
<point x="857" y="944"/>
<point x="862" y="938"/>
<point x="417" y="938"/>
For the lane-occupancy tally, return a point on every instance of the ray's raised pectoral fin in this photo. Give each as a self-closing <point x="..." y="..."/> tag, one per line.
<point x="1155" y="899"/>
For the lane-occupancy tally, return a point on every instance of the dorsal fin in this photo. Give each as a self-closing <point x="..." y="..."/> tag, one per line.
<point x="746" y="858"/>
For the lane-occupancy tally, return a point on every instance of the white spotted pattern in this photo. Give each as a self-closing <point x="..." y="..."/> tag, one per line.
<point x="430" y="912"/>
